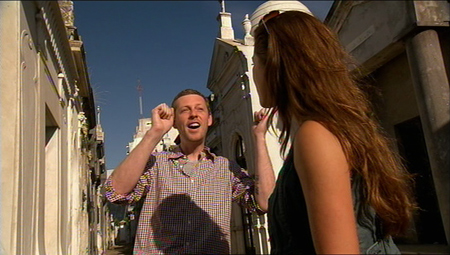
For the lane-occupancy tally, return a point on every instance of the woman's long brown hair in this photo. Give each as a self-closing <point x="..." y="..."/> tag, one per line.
<point x="307" y="72"/>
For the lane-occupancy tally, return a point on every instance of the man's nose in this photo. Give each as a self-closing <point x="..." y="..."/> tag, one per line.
<point x="193" y="114"/>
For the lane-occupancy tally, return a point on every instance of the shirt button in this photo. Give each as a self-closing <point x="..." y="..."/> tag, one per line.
<point x="192" y="181"/>
<point x="189" y="222"/>
<point x="187" y="243"/>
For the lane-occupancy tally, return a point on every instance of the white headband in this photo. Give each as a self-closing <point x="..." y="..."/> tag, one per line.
<point x="280" y="6"/>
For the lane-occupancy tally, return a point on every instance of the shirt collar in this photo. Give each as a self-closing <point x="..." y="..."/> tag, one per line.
<point x="176" y="153"/>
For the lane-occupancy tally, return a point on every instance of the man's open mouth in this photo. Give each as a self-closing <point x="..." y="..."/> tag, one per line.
<point x="194" y="125"/>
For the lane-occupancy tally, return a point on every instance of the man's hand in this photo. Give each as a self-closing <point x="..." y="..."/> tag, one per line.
<point x="260" y="123"/>
<point x="162" y="119"/>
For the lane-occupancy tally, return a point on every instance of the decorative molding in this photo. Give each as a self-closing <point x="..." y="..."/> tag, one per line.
<point x="53" y="23"/>
<point x="360" y="39"/>
<point x="54" y="47"/>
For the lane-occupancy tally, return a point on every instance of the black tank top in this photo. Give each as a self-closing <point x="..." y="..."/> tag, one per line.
<point x="289" y="228"/>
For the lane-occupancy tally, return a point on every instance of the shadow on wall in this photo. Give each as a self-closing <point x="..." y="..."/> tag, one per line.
<point x="179" y="225"/>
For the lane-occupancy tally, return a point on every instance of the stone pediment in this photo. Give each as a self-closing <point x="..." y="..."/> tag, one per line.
<point x="222" y="54"/>
<point x="374" y="32"/>
<point x="371" y="30"/>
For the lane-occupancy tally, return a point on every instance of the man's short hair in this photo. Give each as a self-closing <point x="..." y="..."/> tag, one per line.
<point x="191" y="92"/>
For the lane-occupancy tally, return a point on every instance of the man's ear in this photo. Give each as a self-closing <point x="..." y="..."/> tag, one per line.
<point x="174" y="119"/>
<point x="210" y="120"/>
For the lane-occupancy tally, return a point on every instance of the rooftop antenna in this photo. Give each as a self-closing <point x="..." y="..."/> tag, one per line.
<point x="139" y="89"/>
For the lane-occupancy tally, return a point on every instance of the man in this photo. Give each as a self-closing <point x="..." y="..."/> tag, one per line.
<point x="188" y="190"/>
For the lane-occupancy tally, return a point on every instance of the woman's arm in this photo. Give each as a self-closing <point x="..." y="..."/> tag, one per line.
<point x="325" y="178"/>
<point x="264" y="175"/>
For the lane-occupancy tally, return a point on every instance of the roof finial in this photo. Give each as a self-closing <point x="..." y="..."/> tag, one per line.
<point x="222" y="4"/>
<point x="247" y="25"/>
<point x="225" y="23"/>
<point x="248" y="39"/>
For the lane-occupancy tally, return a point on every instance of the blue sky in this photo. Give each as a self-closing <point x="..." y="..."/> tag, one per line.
<point x="167" y="45"/>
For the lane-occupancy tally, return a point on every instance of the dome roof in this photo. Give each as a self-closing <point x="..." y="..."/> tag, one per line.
<point x="275" y="5"/>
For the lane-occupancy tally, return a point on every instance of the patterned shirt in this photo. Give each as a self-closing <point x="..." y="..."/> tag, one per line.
<point x="187" y="208"/>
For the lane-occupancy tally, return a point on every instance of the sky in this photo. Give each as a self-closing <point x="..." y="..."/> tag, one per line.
<point x="166" y="45"/>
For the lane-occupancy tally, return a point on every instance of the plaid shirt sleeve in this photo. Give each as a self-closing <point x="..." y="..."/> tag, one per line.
<point x="243" y="188"/>
<point x="139" y="190"/>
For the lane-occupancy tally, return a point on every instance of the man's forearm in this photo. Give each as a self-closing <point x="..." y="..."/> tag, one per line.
<point x="127" y="174"/>
<point x="264" y="175"/>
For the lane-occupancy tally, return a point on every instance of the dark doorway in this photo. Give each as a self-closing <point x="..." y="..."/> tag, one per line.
<point x="412" y="148"/>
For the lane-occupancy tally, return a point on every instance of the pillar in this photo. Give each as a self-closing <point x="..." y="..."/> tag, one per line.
<point x="431" y="86"/>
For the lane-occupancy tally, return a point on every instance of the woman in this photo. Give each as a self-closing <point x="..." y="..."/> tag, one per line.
<point x="342" y="188"/>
